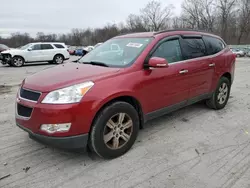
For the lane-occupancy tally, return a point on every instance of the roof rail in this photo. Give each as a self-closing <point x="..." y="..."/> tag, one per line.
<point x="181" y="29"/>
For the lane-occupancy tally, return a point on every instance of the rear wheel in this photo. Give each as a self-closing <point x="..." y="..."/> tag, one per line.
<point x="221" y="94"/>
<point x="17" y="61"/>
<point x="114" y="130"/>
<point x="58" y="59"/>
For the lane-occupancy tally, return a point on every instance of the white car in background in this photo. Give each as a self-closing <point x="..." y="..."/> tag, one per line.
<point x="52" y="52"/>
<point x="238" y="52"/>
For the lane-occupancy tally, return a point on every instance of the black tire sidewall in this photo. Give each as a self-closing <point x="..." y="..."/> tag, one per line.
<point x="221" y="81"/>
<point x="97" y="142"/>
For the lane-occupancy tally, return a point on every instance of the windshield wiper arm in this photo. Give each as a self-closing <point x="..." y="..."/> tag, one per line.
<point x="96" y="63"/>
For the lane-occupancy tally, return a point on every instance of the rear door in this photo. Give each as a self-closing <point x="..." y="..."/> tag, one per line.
<point x="200" y="67"/>
<point x="215" y="50"/>
<point x="48" y="52"/>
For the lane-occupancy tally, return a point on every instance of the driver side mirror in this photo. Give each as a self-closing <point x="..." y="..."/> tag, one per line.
<point x="157" y="62"/>
<point x="29" y="49"/>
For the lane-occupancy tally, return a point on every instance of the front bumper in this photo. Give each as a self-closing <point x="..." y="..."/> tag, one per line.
<point x="70" y="142"/>
<point x="5" y="58"/>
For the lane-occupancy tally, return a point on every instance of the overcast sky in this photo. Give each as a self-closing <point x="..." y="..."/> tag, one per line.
<point x="60" y="16"/>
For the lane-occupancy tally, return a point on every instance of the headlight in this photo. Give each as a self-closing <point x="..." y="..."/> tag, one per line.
<point x="72" y="94"/>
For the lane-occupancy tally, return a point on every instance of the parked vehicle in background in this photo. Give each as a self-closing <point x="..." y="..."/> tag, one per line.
<point x="72" y="50"/>
<point x="52" y="52"/>
<point x="3" y="47"/>
<point x="83" y="50"/>
<point x="248" y="54"/>
<point x="89" y="48"/>
<point x="79" y="51"/>
<point x="103" y="100"/>
<point x="238" y="53"/>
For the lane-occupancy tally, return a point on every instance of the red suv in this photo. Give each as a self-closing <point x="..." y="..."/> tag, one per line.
<point x="105" y="98"/>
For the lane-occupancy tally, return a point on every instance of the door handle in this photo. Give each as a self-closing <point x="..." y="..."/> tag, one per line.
<point x="211" y="65"/>
<point x="183" y="71"/>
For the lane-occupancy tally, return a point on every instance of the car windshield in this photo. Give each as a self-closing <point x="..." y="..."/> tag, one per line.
<point x="25" y="47"/>
<point x="118" y="52"/>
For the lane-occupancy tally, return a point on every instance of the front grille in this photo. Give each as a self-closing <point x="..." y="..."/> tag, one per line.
<point x="30" y="95"/>
<point x="23" y="111"/>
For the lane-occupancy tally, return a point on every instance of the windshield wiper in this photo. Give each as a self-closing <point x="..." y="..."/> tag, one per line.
<point x="96" y="63"/>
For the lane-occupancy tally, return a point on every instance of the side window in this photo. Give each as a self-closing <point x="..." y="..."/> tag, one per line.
<point x="193" y="48"/>
<point x="58" y="46"/>
<point x="36" y="47"/>
<point x="170" y="50"/>
<point x="46" y="46"/>
<point x="213" y="45"/>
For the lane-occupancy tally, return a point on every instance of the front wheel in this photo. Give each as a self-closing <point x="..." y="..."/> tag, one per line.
<point x="221" y="94"/>
<point x="114" y="130"/>
<point x="17" y="61"/>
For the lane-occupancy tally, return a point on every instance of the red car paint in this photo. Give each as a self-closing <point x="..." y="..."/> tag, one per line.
<point x="153" y="89"/>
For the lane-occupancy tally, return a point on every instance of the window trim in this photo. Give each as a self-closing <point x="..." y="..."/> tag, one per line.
<point x="168" y="38"/>
<point x="186" y="60"/>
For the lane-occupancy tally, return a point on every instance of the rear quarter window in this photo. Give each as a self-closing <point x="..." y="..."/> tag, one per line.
<point x="59" y="46"/>
<point x="213" y="45"/>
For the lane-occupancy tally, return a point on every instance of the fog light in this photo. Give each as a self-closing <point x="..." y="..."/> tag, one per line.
<point x="52" y="128"/>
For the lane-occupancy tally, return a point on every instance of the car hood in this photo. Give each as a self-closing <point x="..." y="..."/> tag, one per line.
<point x="65" y="75"/>
<point x="11" y="50"/>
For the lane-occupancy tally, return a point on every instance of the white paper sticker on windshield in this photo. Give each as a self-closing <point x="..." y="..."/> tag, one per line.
<point x="134" y="45"/>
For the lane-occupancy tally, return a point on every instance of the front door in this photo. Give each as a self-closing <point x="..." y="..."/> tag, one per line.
<point x="35" y="54"/>
<point x="166" y="87"/>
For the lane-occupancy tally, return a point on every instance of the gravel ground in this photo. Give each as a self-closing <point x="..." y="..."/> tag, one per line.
<point x="193" y="147"/>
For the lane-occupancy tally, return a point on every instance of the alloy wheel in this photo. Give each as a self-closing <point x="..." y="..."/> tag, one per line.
<point x="59" y="59"/>
<point x="223" y="92"/>
<point x="118" y="131"/>
<point x="18" y="62"/>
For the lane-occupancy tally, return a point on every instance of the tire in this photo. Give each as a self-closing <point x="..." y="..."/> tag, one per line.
<point x="218" y="100"/>
<point x="58" y="59"/>
<point x="110" y="149"/>
<point x="51" y="62"/>
<point x="17" y="61"/>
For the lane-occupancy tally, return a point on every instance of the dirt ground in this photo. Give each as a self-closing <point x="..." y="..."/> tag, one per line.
<point x="191" y="148"/>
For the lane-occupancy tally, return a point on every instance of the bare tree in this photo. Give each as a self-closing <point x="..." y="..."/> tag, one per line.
<point x="244" y="19"/>
<point x="226" y="9"/>
<point x="199" y="14"/>
<point x="155" y="16"/>
<point x="135" y="23"/>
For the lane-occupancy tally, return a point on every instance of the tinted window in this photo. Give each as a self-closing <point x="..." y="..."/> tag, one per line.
<point x="193" y="48"/>
<point x="46" y="46"/>
<point x="213" y="45"/>
<point x="58" y="45"/>
<point x="36" y="47"/>
<point x="170" y="50"/>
